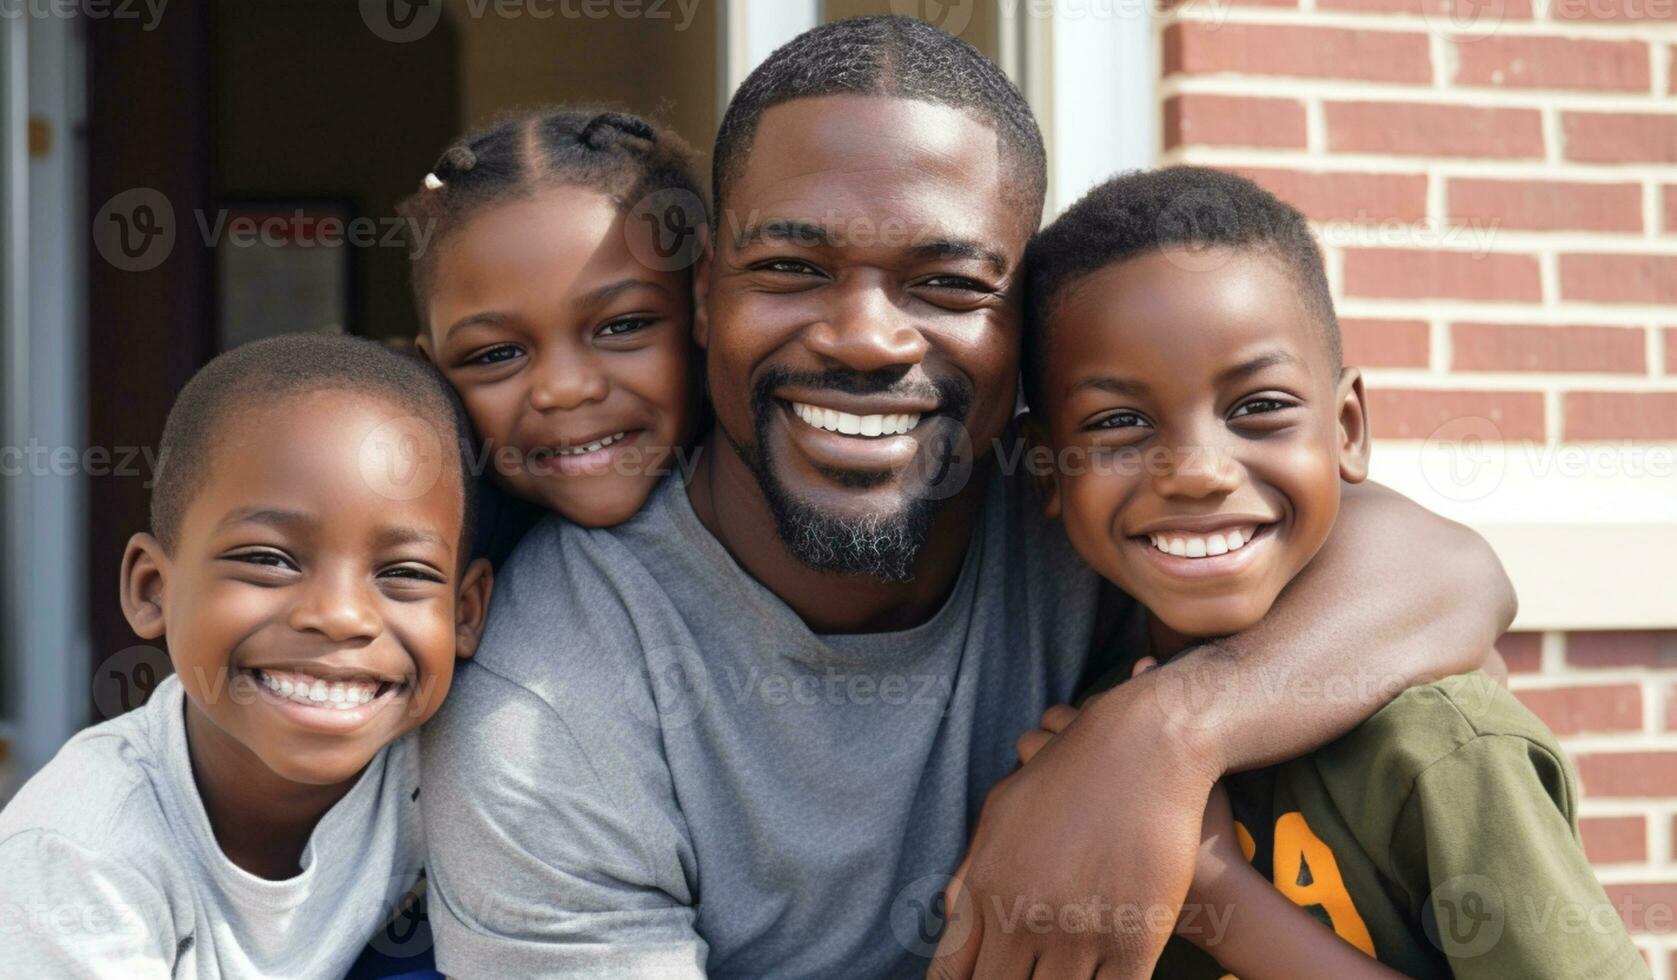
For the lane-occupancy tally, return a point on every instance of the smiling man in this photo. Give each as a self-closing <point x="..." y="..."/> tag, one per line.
<point x="751" y="731"/>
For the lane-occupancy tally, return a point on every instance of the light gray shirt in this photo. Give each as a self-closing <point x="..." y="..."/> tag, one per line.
<point x="654" y="768"/>
<point x="109" y="869"/>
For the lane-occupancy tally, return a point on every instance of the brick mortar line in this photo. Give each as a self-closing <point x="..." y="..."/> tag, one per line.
<point x="1419" y="23"/>
<point x="1253" y="84"/>
<point x="1504" y="382"/>
<point x="1468" y="238"/>
<point x="1477" y="167"/>
<point x="1582" y="677"/>
<point x="1513" y="314"/>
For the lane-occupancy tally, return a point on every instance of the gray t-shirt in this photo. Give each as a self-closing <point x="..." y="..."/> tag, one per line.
<point x="109" y="869"/>
<point x="654" y="768"/>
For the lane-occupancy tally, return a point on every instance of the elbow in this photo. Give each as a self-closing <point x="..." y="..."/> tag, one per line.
<point x="1475" y="574"/>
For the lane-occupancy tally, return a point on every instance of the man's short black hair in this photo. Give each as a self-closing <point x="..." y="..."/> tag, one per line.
<point x="211" y="408"/>
<point x="891" y="56"/>
<point x="1191" y="208"/>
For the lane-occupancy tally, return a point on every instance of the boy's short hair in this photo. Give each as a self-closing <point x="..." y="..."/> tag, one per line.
<point x="280" y="367"/>
<point x="888" y="56"/>
<point x="1175" y="207"/>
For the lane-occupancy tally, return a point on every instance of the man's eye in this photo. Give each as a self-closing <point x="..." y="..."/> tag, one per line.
<point x="959" y="282"/>
<point x="1123" y="420"/>
<point x="618" y="328"/>
<point x="788" y="267"/>
<point x="495" y="355"/>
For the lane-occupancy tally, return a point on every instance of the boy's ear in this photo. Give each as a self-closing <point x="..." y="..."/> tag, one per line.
<point x="1039" y="457"/>
<point x="1353" y="427"/>
<point x="422" y="344"/>
<point x="145" y="570"/>
<point x="472" y="608"/>
<point x="701" y="292"/>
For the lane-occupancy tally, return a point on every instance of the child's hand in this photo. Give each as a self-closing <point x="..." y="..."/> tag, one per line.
<point x="1054" y="721"/>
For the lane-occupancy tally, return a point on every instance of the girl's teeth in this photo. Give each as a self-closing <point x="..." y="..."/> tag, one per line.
<point x="1204" y="546"/>
<point x="592" y="447"/>
<point x="845" y="423"/>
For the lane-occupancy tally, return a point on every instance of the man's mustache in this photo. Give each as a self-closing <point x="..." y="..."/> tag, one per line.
<point x="952" y="395"/>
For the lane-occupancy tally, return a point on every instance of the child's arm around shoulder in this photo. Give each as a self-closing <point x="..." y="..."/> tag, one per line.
<point x="69" y="910"/>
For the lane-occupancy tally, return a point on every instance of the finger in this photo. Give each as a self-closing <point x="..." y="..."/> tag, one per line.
<point x="1056" y="719"/>
<point x="1144" y="665"/>
<point x="963" y="931"/>
<point x="1003" y="957"/>
<point x="1031" y="743"/>
<point x="1058" y="963"/>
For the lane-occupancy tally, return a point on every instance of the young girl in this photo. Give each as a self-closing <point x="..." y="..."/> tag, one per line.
<point x="556" y="297"/>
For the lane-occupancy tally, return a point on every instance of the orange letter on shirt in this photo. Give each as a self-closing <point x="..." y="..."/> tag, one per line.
<point x="1296" y="845"/>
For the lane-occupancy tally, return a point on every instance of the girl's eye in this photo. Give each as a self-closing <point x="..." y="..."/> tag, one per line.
<point x="495" y="355"/>
<point x="1124" y="420"/>
<point x="618" y="328"/>
<point x="1259" y="406"/>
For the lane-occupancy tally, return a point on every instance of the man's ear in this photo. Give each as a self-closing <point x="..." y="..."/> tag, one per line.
<point x="1353" y="427"/>
<point x="701" y="292"/>
<point x="145" y="571"/>
<point x="472" y="607"/>
<point x="1039" y="458"/>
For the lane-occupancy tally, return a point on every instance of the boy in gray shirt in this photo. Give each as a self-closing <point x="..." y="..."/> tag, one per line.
<point x="258" y="817"/>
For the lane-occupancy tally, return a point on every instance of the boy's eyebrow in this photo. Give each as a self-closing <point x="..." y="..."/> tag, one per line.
<point x="271" y="516"/>
<point x="397" y="534"/>
<point x="484" y="318"/>
<point x="1113" y="385"/>
<point x="1269" y="358"/>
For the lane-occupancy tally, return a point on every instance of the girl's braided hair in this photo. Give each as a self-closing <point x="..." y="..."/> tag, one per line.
<point x="616" y="153"/>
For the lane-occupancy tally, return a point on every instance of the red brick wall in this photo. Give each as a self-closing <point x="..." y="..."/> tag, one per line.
<point x="1497" y="201"/>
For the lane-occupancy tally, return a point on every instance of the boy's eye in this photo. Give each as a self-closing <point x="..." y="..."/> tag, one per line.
<point x="263" y="559"/>
<point x="495" y="355"/>
<point x="1259" y="406"/>
<point x="1123" y="420"/>
<point x="411" y="572"/>
<point x="618" y="328"/>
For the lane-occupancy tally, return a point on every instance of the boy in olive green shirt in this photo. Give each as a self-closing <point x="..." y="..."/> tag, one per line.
<point x="1184" y="371"/>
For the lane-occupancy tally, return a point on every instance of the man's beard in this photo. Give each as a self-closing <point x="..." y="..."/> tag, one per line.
<point x="882" y="546"/>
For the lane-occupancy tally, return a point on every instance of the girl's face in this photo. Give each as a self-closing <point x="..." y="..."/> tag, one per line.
<point x="574" y="358"/>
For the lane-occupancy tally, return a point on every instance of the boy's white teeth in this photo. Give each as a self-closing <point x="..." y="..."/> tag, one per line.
<point x="1185" y="545"/>
<point x="847" y="424"/>
<point x="306" y="689"/>
<point x="592" y="447"/>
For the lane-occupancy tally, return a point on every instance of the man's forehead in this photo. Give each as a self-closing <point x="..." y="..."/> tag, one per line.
<point x="926" y="171"/>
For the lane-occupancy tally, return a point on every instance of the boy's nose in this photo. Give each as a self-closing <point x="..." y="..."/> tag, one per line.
<point x="1195" y="471"/>
<point x="866" y="331"/>
<point x="338" y="609"/>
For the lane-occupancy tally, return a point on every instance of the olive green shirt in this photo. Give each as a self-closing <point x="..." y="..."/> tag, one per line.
<point x="1441" y="837"/>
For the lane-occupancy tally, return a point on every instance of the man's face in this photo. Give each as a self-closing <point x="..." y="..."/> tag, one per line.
<point x="861" y="315"/>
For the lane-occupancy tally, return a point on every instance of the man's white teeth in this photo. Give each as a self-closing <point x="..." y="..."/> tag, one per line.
<point x="1185" y="545"/>
<point x="317" y="691"/>
<point x="847" y="424"/>
<point x="592" y="447"/>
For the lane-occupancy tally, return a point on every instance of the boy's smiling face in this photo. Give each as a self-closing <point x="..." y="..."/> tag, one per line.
<point x="290" y="570"/>
<point x="1201" y="432"/>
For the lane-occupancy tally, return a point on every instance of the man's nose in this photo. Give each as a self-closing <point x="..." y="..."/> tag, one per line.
<point x="866" y="331"/>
